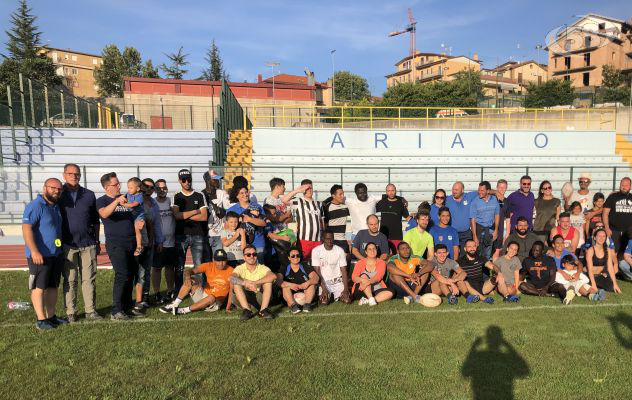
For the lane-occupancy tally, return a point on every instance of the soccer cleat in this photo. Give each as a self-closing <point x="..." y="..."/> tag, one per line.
<point x="135" y="312"/>
<point x="56" y="321"/>
<point x="212" y="308"/>
<point x="94" y="316"/>
<point x="44" y="325"/>
<point x="120" y="316"/>
<point x="168" y="309"/>
<point x="372" y="301"/>
<point x="142" y="305"/>
<point x="295" y="308"/>
<point x="307" y="307"/>
<point x="472" y="298"/>
<point x="71" y="318"/>
<point x="266" y="314"/>
<point x="514" y="299"/>
<point x="452" y="299"/>
<point x="246" y="315"/>
<point x="408" y="299"/>
<point x="570" y="295"/>
<point x="489" y="300"/>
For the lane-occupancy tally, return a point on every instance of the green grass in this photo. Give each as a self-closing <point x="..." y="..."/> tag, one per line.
<point x="542" y="350"/>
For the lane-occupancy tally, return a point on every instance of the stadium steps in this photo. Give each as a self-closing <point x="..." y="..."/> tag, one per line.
<point x="623" y="147"/>
<point x="239" y="155"/>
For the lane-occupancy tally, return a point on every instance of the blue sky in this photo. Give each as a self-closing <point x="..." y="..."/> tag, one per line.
<point x="300" y="34"/>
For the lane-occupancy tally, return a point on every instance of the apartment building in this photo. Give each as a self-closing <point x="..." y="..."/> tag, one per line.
<point x="77" y="70"/>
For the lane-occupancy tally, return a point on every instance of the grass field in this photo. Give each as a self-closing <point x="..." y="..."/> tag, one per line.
<point x="534" y="349"/>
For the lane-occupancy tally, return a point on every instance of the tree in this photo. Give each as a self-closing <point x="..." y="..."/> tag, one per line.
<point x="350" y="87"/>
<point x="132" y="62"/>
<point x="24" y="53"/>
<point x="109" y="76"/>
<point x="178" y="61"/>
<point x="615" y="87"/>
<point x="554" y="92"/>
<point x="149" y="71"/>
<point x="215" y="71"/>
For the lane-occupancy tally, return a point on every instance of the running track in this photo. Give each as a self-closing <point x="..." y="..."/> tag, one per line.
<point x="12" y="256"/>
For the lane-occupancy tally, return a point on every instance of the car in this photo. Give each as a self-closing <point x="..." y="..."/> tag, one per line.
<point x="66" y="120"/>
<point x="452" y="112"/>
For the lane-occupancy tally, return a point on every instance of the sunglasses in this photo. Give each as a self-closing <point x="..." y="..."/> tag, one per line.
<point x="186" y="180"/>
<point x="547" y="188"/>
<point x="439" y="197"/>
<point x="250" y="254"/>
<point x="525" y="184"/>
<point x="581" y="181"/>
<point x="294" y="256"/>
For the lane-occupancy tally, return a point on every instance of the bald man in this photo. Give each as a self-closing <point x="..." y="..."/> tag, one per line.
<point x="41" y="230"/>
<point x="459" y="204"/>
<point x="617" y="215"/>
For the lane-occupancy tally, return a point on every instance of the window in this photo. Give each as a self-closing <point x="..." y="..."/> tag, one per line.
<point x="54" y="56"/>
<point x="74" y="58"/>
<point x="567" y="62"/>
<point x="587" y="59"/>
<point x="520" y="77"/>
<point x="65" y="56"/>
<point x="602" y="26"/>
<point x="539" y="80"/>
<point x="613" y="56"/>
<point x="586" y="78"/>
<point x="587" y="41"/>
<point x="567" y="45"/>
<point x="94" y="61"/>
<point x="555" y="62"/>
<point x="74" y="71"/>
<point x="567" y="77"/>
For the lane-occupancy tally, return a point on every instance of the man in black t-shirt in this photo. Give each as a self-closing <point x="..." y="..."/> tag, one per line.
<point x="476" y="283"/>
<point x="120" y="243"/>
<point x="617" y="215"/>
<point x="541" y="270"/>
<point x="393" y="209"/>
<point x="298" y="282"/>
<point x="191" y="213"/>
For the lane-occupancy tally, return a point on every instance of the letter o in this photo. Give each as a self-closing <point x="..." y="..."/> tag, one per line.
<point x="546" y="140"/>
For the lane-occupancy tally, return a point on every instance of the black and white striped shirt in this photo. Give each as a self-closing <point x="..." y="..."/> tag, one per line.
<point x="336" y="219"/>
<point x="308" y="214"/>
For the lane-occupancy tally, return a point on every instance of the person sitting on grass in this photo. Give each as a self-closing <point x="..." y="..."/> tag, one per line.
<point x="475" y="284"/>
<point x="210" y="297"/>
<point x="558" y="251"/>
<point x="330" y="263"/>
<point x="368" y="278"/>
<point x="507" y="268"/>
<point x="446" y="275"/>
<point x="575" y="282"/>
<point x="407" y="274"/>
<point x="601" y="264"/>
<point x="541" y="271"/>
<point x="298" y="280"/>
<point x="252" y="285"/>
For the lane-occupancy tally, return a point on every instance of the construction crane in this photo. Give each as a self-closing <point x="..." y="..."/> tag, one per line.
<point x="412" y="29"/>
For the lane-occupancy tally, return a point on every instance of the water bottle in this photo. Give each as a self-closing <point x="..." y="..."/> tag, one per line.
<point x="19" y="305"/>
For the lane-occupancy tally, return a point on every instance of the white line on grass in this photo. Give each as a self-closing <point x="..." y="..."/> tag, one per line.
<point x="235" y="315"/>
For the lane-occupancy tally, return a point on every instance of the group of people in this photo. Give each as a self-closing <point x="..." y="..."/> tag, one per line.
<point x="294" y="249"/>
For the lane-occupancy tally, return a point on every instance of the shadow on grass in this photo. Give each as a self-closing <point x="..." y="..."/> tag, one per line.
<point x="493" y="368"/>
<point x="622" y="329"/>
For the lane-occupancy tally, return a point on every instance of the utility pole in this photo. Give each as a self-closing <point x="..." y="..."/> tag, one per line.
<point x="333" y="77"/>
<point x="273" y="64"/>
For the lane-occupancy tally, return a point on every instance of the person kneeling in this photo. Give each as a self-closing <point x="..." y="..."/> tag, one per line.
<point x="575" y="282"/>
<point x="252" y="285"/>
<point x="298" y="283"/>
<point x="447" y="275"/>
<point x="368" y="278"/>
<point x="209" y="297"/>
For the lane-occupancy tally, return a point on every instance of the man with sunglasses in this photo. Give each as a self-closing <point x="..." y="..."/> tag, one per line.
<point x="252" y="285"/>
<point x="80" y="238"/>
<point x="191" y="213"/>
<point x="521" y="203"/>
<point x="583" y="195"/>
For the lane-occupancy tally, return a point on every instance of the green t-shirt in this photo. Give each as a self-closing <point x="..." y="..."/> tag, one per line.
<point x="418" y="241"/>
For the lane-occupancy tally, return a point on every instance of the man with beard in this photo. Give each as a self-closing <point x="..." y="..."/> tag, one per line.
<point x="41" y="230"/>
<point x="475" y="284"/>
<point x="617" y="215"/>
<point x="523" y="236"/>
<point x="541" y="270"/>
<point x="360" y="208"/>
<point x="521" y="204"/>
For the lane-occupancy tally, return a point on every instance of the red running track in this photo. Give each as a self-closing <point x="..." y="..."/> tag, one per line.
<point x="12" y="256"/>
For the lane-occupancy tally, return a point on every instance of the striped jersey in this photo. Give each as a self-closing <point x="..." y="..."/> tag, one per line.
<point x="336" y="219"/>
<point x="308" y="214"/>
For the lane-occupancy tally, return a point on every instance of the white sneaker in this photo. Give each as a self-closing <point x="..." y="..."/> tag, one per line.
<point x="363" y="301"/>
<point x="212" y="308"/>
<point x="408" y="300"/>
<point x="570" y="295"/>
<point x="372" y="301"/>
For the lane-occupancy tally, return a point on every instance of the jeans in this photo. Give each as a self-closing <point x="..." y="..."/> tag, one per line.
<point x="485" y="242"/>
<point x="183" y="242"/>
<point x="213" y="244"/>
<point x="625" y="269"/>
<point x="145" y="263"/>
<point x="125" y="269"/>
<point x="80" y="262"/>
<point x="620" y="239"/>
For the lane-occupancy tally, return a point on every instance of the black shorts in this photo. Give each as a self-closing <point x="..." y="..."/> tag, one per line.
<point x="476" y="284"/>
<point x="358" y="294"/>
<point x="168" y="257"/>
<point x="47" y="275"/>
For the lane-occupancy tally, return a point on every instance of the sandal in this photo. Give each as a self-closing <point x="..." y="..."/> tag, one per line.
<point x="138" y="251"/>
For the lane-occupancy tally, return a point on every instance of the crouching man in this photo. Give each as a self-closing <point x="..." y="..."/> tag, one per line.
<point x="252" y="285"/>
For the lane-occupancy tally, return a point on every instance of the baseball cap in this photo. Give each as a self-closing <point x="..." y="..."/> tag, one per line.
<point x="586" y="175"/>
<point x="211" y="174"/>
<point x="220" y="255"/>
<point x="184" y="174"/>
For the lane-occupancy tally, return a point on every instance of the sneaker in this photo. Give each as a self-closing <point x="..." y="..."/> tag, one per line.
<point x="295" y="308"/>
<point x="212" y="308"/>
<point x="372" y="301"/>
<point x="472" y="298"/>
<point x="307" y="307"/>
<point x="266" y="314"/>
<point x="171" y="295"/>
<point x="136" y="312"/>
<point x="489" y="300"/>
<point x="363" y="301"/>
<point x="514" y="299"/>
<point x="71" y="318"/>
<point x="142" y="305"/>
<point x="452" y="299"/>
<point x="120" y="316"/>
<point x="168" y="309"/>
<point x="56" y="321"/>
<point x="570" y="295"/>
<point x="418" y="299"/>
<point x="94" y="316"/>
<point x="246" y="315"/>
<point x="408" y="300"/>
<point x="602" y="294"/>
<point x="44" y="325"/>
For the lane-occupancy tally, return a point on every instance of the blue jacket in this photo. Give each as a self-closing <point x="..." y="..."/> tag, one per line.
<point x="80" y="219"/>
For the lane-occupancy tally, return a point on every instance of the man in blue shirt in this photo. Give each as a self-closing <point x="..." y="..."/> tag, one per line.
<point x="443" y="233"/>
<point x="80" y="238"/>
<point x="484" y="219"/>
<point x="459" y="205"/>
<point x="41" y="229"/>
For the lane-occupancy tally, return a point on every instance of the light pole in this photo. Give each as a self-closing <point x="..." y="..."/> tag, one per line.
<point x="273" y="64"/>
<point x="333" y="77"/>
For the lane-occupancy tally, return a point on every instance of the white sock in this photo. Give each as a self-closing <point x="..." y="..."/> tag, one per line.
<point x="176" y="302"/>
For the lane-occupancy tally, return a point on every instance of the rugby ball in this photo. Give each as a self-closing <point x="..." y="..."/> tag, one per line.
<point x="299" y="298"/>
<point x="430" y="300"/>
<point x="567" y="189"/>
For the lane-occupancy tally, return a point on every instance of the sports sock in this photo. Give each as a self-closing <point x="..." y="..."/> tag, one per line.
<point x="176" y="302"/>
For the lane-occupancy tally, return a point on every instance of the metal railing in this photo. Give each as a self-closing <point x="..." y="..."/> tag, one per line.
<point x="514" y="118"/>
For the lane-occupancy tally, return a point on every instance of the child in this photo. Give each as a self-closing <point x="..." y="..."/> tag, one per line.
<point x="233" y="239"/>
<point x="577" y="221"/>
<point x="280" y="238"/>
<point x="135" y="203"/>
<point x="575" y="282"/>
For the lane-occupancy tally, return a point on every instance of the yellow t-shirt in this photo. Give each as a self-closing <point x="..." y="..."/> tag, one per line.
<point x="243" y="272"/>
<point x="408" y="268"/>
